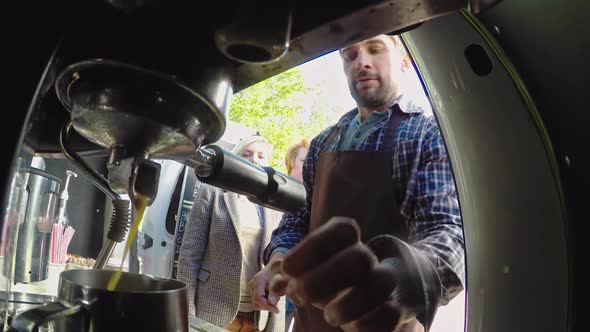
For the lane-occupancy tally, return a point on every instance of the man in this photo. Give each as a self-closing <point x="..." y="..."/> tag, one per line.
<point x="380" y="245"/>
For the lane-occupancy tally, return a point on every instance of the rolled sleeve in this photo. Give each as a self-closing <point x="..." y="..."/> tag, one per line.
<point x="295" y="226"/>
<point x="435" y="221"/>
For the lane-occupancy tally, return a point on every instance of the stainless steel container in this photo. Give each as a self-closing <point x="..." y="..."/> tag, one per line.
<point x="13" y="303"/>
<point x="139" y="303"/>
<point x="34" y="234"/>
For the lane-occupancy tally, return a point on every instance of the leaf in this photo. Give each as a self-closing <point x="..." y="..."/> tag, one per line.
<point x="284" y="110"/>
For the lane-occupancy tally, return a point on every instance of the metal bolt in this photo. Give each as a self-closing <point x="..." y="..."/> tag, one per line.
<point x="497" y="30"/>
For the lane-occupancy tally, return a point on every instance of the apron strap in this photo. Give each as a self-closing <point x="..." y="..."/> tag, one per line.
<point x="331" y="137"/>
<point x="391" y="130"/>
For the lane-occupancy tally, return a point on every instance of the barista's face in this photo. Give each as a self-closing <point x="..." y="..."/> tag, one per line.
<point x="257" y="153"/>
<point x="373" y="67"/>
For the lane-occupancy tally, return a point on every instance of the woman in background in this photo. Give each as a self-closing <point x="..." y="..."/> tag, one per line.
<point x="294" y="160"/>
<point x="222" y="249"/>
<point x="295" y="157"/>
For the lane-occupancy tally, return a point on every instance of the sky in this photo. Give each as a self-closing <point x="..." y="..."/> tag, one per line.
<point x="327" y="72"/>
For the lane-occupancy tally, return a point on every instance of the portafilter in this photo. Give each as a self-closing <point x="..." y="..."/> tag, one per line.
<point x="115" y="104"/>
<point x="138" y="114"/>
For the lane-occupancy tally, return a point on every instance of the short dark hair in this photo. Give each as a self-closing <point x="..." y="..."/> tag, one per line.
<point x="397" y="43"/>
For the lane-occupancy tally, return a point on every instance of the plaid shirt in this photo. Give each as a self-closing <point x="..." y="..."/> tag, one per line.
<point x="424" y="189"/>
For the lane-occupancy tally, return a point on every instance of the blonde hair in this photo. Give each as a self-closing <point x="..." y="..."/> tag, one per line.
<point x="292" y="152"/>
<point x="244" y="142"/>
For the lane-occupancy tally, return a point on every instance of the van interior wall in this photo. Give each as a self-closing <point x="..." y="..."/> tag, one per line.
<point x="85" y="207"/>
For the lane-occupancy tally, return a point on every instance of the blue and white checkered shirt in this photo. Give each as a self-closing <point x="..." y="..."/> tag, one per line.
<point x="424" y="189"/>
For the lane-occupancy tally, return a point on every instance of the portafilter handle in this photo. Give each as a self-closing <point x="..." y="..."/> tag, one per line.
<point x="262" y="185"/>
<point x="133" y="174"/>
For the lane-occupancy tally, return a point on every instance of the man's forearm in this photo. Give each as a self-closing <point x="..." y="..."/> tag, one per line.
<point x="292" y="229"/>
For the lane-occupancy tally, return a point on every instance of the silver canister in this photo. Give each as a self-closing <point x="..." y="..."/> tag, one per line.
<point x="34" y="234"/>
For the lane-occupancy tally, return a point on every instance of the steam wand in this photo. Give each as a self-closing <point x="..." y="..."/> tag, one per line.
<point x="127" y="175"/>
<point x="262" y="185"/>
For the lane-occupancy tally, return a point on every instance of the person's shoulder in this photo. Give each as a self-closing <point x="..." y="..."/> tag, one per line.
<point x="422" y="122"/>
<point x="318" y="141"/>
<point x="208" y="190"/>
<point x="322" y="135"/>
<point x="424" y="119"/>
<point x="424" y="128"/>
<point x="430" y="124"/>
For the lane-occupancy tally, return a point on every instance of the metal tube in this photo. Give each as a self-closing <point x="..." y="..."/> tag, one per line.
<point x="262" y="185"/>
<point x="204" y="162"/>
<point x="104" y="254"/>
<point x="89" y="172"/>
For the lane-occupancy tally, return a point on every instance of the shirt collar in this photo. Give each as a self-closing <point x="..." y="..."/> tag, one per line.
<point x="404" y="102"/>
<point x="406" y="105"/>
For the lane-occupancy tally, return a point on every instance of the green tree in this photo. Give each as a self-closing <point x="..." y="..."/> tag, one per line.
<point x="282" y="109"/>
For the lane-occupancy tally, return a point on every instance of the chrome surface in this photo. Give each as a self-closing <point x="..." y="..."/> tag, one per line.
<point x="104" y="254"/>
<point x="160" y="117"/>
<point x="18" y="302"/>
<point x="84" y="304"/>
<point x="34" y="235"/>
<point x="250" y="39"/>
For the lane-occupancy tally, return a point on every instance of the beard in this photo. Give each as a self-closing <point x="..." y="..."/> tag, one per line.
<point x="374" y="97"/>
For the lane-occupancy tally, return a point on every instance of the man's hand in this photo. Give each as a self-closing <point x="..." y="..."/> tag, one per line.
<point x="332" y="269"/>
<point x="262" y="297"/>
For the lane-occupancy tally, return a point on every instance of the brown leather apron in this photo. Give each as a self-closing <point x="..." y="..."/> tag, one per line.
<point x="355" y="184"/>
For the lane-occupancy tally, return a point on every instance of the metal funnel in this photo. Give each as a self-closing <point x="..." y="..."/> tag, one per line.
<point x="114" y="104"/>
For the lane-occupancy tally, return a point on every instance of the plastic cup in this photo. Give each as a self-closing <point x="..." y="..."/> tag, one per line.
<point x="54" y="270"/>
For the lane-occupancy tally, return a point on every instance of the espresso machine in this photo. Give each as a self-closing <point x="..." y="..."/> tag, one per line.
<point x="138" y="81"/>
<point x="134" y="90"/>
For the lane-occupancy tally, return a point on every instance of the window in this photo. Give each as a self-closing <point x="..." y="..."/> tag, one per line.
<point x="309" y="98"/>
